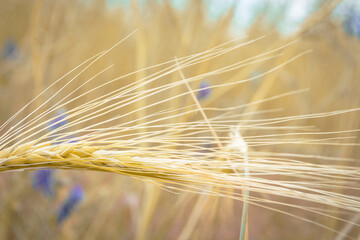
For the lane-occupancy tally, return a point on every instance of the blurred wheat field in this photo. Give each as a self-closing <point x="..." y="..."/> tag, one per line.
<point x="185" y="128"/>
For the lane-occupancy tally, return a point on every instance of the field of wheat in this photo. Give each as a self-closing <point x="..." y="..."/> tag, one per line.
<point x="146" y="120"/>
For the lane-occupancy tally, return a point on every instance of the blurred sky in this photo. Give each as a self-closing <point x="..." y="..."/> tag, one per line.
<point x="286" y="14"/>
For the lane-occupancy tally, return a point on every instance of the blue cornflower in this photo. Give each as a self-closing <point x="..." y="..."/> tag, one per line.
<point x="44" y="181"/>
<point x="352" y="21"/>
<point x="204" y="90"/>
<point x="10" y="49"/>
<point x="75" y="197"/>
<point x="59" y="121"/>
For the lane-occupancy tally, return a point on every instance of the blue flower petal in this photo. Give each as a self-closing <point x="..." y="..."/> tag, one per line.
<point x="44" y="182"/>
<point x="75" y="197"/>
<point x="204" y="90"/>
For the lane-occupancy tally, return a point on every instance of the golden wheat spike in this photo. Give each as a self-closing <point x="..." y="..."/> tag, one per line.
<point x="182" y="154"/>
